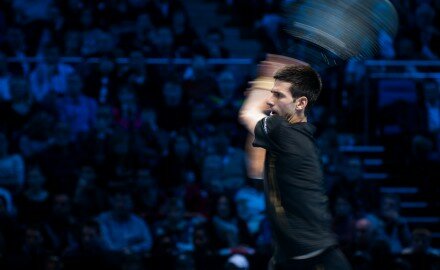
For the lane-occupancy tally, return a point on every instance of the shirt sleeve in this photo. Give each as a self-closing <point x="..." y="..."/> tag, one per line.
<point x="267" y="132"/>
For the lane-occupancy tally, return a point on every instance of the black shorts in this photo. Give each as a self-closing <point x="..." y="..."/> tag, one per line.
<point x="331" y="259"/>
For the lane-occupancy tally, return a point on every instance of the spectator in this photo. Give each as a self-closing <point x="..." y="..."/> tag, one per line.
<point x="172" y="111"/>
<point x="147" y="196"/>
<point x="5" y="76"/>
<point x="226" y="102"/>
<point x="49" y="78"/>
<point x="59" y="229"/>
<point x="72" y="43"/>
<point x="76" y="109"/>
<point x="184" y="34"/>
<point x="204" y="255"/>
<point x="9" y="226"/>
<point x="179" y="160"/>
<point x="32" y="253"/>
<point x="33" y="202"/>
<point x="17" y="111"/>
<point x="199" y="82"/>
<point x="420" y="254"/>
<point x="174" y="233"/>
<point x="90" y="253"/>
<point x="163" y="43"/>
<point x="430" y="111"/>
<point x="60" y="160"/>
<point x="15" y="45"/>
<point x="391" y="226"/>
<point x="11" y="167"/>
<point x="88" y="198"/>
<point x="224" y="221"/>
<point x="343" y="222"/>
<point x="124" y="232"/>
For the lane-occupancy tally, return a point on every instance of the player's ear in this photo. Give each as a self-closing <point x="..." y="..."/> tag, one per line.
<point x="302" y="103"/>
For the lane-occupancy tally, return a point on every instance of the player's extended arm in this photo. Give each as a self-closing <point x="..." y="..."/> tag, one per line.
<point x="253" y="110"/>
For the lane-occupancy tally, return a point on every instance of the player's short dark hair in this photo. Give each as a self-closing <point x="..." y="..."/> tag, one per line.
<point x="305" y="82"/>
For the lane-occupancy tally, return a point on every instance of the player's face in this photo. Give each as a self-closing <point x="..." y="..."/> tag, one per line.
<point x="281" y="101"/>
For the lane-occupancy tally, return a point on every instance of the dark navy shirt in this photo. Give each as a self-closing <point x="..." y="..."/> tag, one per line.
<point x="297" y="205"/>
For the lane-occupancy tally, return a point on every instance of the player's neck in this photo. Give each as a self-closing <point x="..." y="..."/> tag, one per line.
<point x="295" y="118"/>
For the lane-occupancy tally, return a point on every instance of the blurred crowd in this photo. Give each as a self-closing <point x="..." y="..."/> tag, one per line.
<point x="119" y="164"/>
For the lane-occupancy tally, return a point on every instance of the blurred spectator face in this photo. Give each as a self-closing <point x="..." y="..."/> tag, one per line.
<point x="243" y="210"/>
<point x="342" y="208"/>
<point x="364" y="229"/>
<point x="53" y="263"/>
<point x="35" y="178"/>
<point x="62" y="134"/>
<point x="200" y="238"/>
<point x="121" y="143"/>
<point x="149" y="116"/>
<point x="136" y="61"/>
<point x="424" y="16"/>
<point x="3" y="64"/>
<point x="178" y="21"/>
<point x="122" y="205"/>
<point x="126" y="96"/>
<point x="212" y="167"/>
<point x="3" y="145"/>
<point x="405" y="48"/>
<point x="51" y="55"/>
<point x="172" y="93"/>
<point x="352" y="169"/>
<point x="74" y="84"/>
<point x="164" y="38"/>
<point x="222" y="142"/>
<point x="72" y="41"/>
<point x="181" y="147"/>
<point x="75" y="5"/>
<point x="90" y="236"/>
<point x="143" y="22"/>
<point x="421" y="240"/>
<point x="144" y="178"/>
<point x="200" y="112"/>
<point x="189" y="177"/>
<point x="15" y="38"/>
<point x="223" y="207"/>
<point x="226" y="83"/>
<point x="61" y="205"/>
<point x="390" y="207"/>
<point x="33" y="238"/>
<point x="137" y="3"/>
<point x="86" y="19"/>
<point x="431" y="91"/>
<point x="386" y="47"/>
<point x="106" y="66"/>
<point x="199" y="63"/>
<point x="18" y="88"/>
<point x="214" y="38"/>
<point x="3" y="211"/>
<point x="421" y="146"/>
<point x="105" y="42"/>
<point x="176" y="211"/>
<point x="87" y="175"/>
<point x="104" y="118"/>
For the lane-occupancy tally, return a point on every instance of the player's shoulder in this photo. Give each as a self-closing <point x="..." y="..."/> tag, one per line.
<point x="272" y="122"/>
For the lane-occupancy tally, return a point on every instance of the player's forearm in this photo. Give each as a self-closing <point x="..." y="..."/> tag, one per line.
<point x="257" y="95"/>
<point x="255" y="104"/>
<point x="254" y="159"/>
